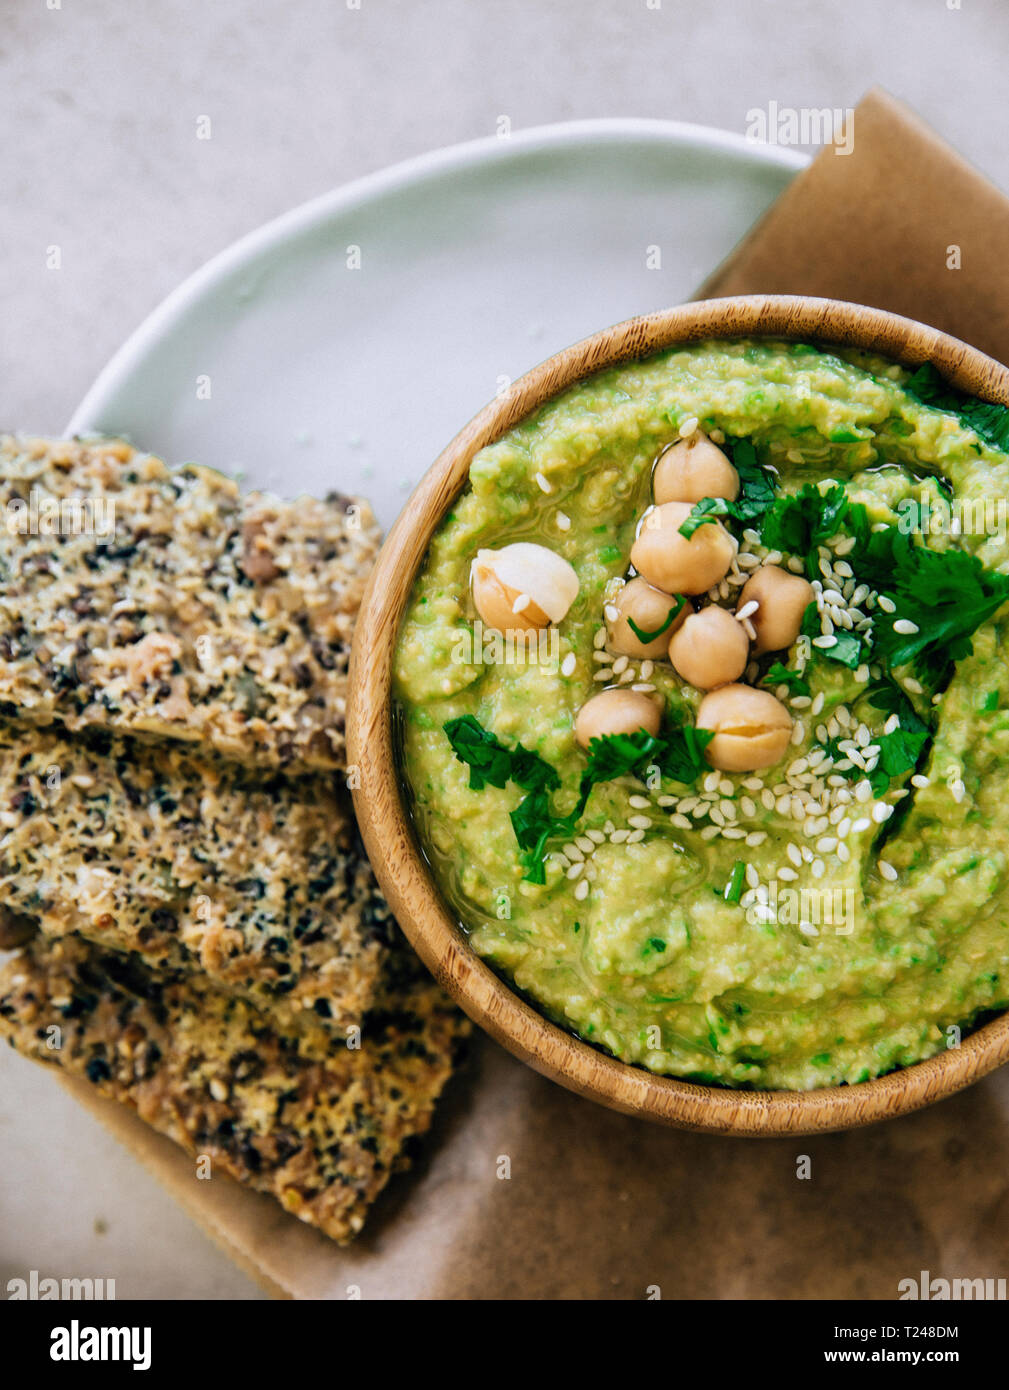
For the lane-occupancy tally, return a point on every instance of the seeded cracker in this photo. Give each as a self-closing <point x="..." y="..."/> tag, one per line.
<point x="318" y="1126"/>
<point x="207" y="616"/>
<point x="204" y="865"/>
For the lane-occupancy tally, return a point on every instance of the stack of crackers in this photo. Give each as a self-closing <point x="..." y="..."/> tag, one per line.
<point x="198" y="931"/>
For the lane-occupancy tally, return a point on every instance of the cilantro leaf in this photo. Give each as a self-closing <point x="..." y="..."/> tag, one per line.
<point x="947" y="594"/>
<point x="756" y="493"/>
<point x="644" y="636"/>
<point x="800" y="521"/>
<point x="847" y="649"/>
<point x="756" y="483"/>
<point x="781" y="675"/>
<point x="489" y="761"/>
<point x="708" y="509"/>
<point x="988" y="420"/>
<point x="678" y="752"/>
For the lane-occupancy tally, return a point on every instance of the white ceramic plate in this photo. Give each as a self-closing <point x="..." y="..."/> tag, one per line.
<point x="279" y="361"/>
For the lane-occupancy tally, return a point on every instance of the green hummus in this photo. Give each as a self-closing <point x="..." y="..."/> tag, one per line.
<point x="813" y="923"/>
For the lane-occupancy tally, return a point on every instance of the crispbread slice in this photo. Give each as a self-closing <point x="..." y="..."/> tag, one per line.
<point x="256" y="880"/>
<point x="317" y="1125"/>
<point x="207" y="616"/>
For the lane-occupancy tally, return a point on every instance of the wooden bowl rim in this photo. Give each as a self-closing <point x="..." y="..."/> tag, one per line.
<point x="385" y="823"/>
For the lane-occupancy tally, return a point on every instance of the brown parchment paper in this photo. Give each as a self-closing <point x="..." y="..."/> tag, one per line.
<point x="526" y="1191"/>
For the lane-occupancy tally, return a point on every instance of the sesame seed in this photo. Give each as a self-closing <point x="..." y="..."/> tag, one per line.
<point x="861" y="824"/>
<point x="709" y="832"/>
<point x="891" y="724"/>
<point x="681" y="822"/>
<point x="647" y="667"/>
<point x="767" y="799"/>
<point x="640" y="803"/>
<point x="604" y="675"/>
<point x="887" y="604"/>
<point x="825" y="642"/>
<point x="602" y="656"/>
<point x="733" y="832"/>
<point x="584" y="843"/>
<point x="639" y="822"/>
<point x="611" y="612"/>
<point x="843" y="827"/>
<point x="748" y="807"/>
<point x="599" y="640"/>
<point x="905" y="627"/>
<point x="958" y="789"/>
<point x="521" y="603"/>
<point x="753" y="784"/>
<point x="688" y="427"/>
<point x="789" y="875"/>
<point x="617" y="837"/>
<point x="808" y="929"/>
<point x="748" y="609"/>
<point x="912" y="686"/>
<point x="626" y="677"/>
<point x="881" y="812"/>
<point x="711" y="781"/>
<point x="843" y="852"/>
<point x="863" y="791"/>
<point x="798" y="733"/>
<point x="635" y="837"/>
<point x="795" y="565"/>
<point x="643" y="687"/>
<point x="544" y="483"/>
<point x="755" y="838"/>
<point x="596" y="836"/>
<point x="818" y="868"/>
<point x="568" y="664"/>
<point x="563" y="521"/>
<point x="581" y="890"/>
<point x="887" y="870"/>
<point x="827" y="844"/>
<point x="575" y="870"/>
<point x="919" y="780"/>
<point x="794" y="854"/>
<point x="752" y="877"/>
<point x="573" y="852"/>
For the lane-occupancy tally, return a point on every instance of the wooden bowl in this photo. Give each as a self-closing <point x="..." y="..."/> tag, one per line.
<point x="387" y="828"/>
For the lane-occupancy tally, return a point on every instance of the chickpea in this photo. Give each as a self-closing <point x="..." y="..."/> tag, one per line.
<point x="522" y="587"/>
<point x="694" y="468"/>
<point x="783" y="598"/>
<point x="752" y="729"/>
<point x="710" y="648"/>
<point x="675" y="564"/>
<point x="617" y="712"/>
<point x="649" y="608"/>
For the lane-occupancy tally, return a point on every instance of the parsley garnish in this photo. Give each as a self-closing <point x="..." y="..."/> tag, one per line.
<point x="847" y="648"/>
<point x="800" y="521"/>
<point x="644" y="636"/>
<point x="677" y="753"/>
<point x="756" y="483"/>
<point x="947" y="594"/>
<point x="989" y="421"/>
<point x="489" y="761"/>
<point x="781" y="675"/>
<point x="756" y="493"/>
